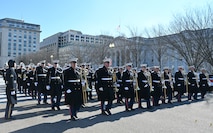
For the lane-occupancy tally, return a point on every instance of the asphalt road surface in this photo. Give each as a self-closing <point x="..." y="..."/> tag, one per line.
<point x="184" y="117"/>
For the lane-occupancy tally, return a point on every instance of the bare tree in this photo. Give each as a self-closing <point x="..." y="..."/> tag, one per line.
<point x="135" y="46"/>
<point x="190" y="37"/>
<point x="159" y="46"/>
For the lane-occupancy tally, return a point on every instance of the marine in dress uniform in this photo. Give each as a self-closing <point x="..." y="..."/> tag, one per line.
<point x="31" y="82"/>
<point x="179" y="83"/>
<point x="105" y="87"/>
<point x="157" y="86"/>
<point x="41" y="80"/>
<point x="10" y="79"/>
<point x="203" y="82"/>
<point x="167" y="84"/>
<point x="73" y="89"/>
<point x="119" y="93"/>
<point x="54" y="77"/>
<point x="127" y="81"/>
<point x="20" y="73"/>
<point x="192" y="83"/>
<point x="143" y="84"/>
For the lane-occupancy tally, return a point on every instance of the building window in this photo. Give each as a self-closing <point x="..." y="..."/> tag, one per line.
<point x="9" y="34"/>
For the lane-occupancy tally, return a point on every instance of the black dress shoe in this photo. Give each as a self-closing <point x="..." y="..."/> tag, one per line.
<point x="140" y="107"/>
<point x="11" y="118"/>
<point x="45" y="102"/>
<point x="108" y="111"/>
<point x="58" y="108"/>
<point x="72" y="119"/>
<point x="103" y="113"/>
<point x="53" y="109"/>
<point x="127" y="110"/>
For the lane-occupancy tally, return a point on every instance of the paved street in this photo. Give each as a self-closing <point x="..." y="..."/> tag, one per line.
<point x="185" y="117"/>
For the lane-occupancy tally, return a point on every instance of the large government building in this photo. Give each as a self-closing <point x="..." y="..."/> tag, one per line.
<point x="93" y="49"/>
<point x="17" y="38"/>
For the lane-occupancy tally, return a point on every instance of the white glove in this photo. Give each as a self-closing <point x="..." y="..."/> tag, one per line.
<point x="134" y="83"/>
<point x="83" y="83"/>
<point x="101" y="89"/>
<point x="13" y="93"/>
<point x="118" y="85"/>
<point x="36" y="83"/>
<point x="68" y="91"/>
<point x="48" y="87"/>
<point x="62" y="86"/>
<point x="146" y="85"/>
<point x="28" y="84"/>
<point x="178" y="84"/>
<point x="126" y="88"/>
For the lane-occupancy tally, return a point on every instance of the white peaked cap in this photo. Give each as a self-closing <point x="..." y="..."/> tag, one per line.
<point x="129" y="64"/>
<point x="192" y="66"/>
<point x="55" y="61"/>
<point x="166" y="68"/>
<point x="143" y="65"/>
<point x="158" y="67"/>
<point x="180" y="67"/>
<point x="74" y="60"/>
<point x="106" y="60"/>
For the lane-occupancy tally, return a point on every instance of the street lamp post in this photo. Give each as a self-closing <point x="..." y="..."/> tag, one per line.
<point x="51" y="57"/>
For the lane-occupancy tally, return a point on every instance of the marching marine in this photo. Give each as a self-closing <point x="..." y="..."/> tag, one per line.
<point x="41" y="80"/>
<point x="31" y="82"/>
<point x="105" y="87"/>
<point x="127" y="81"/>
<point x="119" y="93"/>
<point x="73" y="89"/>
<point x="192" y="83"/>
<point x="179" y="83"/>
<point x="167" y="84"/>
<point x="144" y="92"/>
<point x="54" y="77"/>
<point x="203" y="82"/>
<point x="157" y="86"/>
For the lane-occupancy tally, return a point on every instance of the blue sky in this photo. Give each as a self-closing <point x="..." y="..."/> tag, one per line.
<point x="95" y="17"/>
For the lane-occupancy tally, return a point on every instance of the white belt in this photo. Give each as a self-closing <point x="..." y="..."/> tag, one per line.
<point x="194" y="78"/>
<point x="156" y="81"/>
<point x="74" y="81"/>
<point x="31" y="78"/>
<point x="144" y="81"/>
<point x="129" y="80"/>
<point x="42" y="75"/>
<point x="119" y="80"/>
<point x="204" y="78"/>
<point x="106" y="79"/>
<point x="167" y="80"/>
<point x="180" y="78"/>
<point x="89" y="77"/>
<point x="55" y="77"/>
